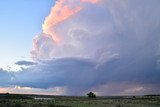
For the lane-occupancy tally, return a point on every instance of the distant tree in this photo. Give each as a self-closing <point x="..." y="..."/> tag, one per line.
<point x="7" y="93"/>
<point x="91" y="95"/>
<point x="134" y="97"/>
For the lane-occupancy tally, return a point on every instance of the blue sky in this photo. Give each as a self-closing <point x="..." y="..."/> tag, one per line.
<point x="20" y="21"/>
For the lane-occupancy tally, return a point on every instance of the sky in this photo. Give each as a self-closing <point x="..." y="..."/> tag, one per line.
<point x="71" y="47"/>
<point x="20" y="21"/>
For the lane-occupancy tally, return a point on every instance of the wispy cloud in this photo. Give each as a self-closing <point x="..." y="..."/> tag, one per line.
<point x="26" y="63"/>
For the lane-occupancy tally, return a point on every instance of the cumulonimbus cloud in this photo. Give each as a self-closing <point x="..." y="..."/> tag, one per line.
<point x="56" y="44"/>
<point x="96" y="44"/>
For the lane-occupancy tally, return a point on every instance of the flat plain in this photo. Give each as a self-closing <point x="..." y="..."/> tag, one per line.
<point x="16" y="100"/>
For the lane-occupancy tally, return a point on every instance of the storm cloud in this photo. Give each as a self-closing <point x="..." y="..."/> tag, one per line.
<point x="109" y="46"/>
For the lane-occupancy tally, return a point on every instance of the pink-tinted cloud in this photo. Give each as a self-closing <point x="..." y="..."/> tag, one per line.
<point x="59" y="13"/>
<point x="30" y="90"/>
<point x="62" y="11"/>
<point x="90" y="1"/>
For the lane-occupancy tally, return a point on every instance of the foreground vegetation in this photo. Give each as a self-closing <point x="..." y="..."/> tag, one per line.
<point x="8" y="100"/>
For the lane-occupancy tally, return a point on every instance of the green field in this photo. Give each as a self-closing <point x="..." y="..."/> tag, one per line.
<point x="69" y="101"/>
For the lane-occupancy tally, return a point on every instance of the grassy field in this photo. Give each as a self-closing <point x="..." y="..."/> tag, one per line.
<point x="68" y="101"/>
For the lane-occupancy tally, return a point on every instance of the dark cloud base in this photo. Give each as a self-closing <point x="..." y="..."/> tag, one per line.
<point x="81" y="75"/>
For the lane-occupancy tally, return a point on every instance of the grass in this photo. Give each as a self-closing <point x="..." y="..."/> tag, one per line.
<point x="69" y="101"/>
